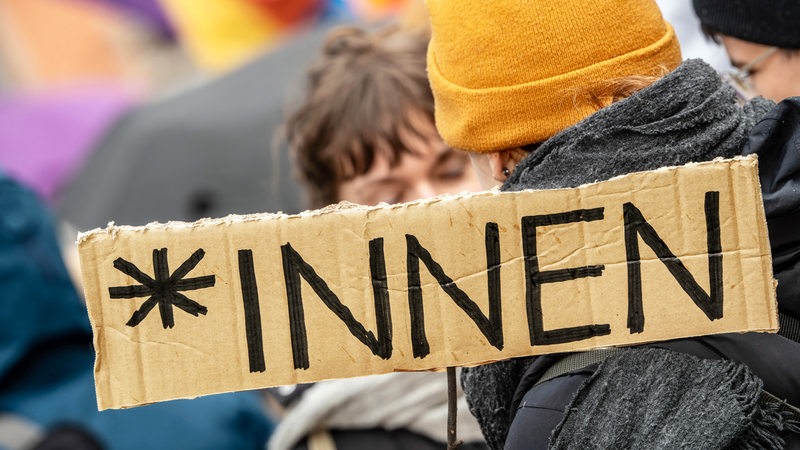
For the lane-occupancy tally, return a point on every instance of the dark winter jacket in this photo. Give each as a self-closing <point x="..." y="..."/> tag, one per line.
<point x="687" y="116"/>
<point x="776" y="141"/>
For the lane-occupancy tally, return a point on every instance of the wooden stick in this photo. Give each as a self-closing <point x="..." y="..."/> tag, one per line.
<point x="452" y="409"/>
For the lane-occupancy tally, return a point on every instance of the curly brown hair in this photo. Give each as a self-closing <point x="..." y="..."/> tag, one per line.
<point x="360" y="93"/>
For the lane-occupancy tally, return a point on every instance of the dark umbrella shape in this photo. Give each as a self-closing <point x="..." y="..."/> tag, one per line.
<point x="205" y="152"/>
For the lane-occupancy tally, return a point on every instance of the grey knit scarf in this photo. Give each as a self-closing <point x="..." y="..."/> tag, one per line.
<point x="670" y="400"/>
<point x="687" y="116"/>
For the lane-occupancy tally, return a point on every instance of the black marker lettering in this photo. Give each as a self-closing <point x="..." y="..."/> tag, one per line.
<point x="535" y="278"/>
<point x="380" y="292"/>
<point x="252" y="311"/>
<point x="294" y="266"/>
<point x="164" y="289"/>
<point x="161" y="269"/>
<point x="491" y="327"/>
<point x="636" y="225"/>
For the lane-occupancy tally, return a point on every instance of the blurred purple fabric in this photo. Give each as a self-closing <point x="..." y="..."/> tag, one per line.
<point x="45" y="139"/>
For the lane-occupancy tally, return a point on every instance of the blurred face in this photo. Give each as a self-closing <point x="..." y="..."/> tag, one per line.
<point x="427" y="169"/>
<point x="776" y="76"/>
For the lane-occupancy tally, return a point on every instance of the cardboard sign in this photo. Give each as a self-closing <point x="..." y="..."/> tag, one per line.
<point x="187" y="309"/>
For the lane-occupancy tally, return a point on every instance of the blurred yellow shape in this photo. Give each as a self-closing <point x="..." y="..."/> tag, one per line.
<point x="221" y="34"/>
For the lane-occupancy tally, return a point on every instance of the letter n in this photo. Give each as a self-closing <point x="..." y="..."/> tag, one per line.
<point x="491" y="327"/>
<point x="636" y="225"/>
<point x="294" y="267"/>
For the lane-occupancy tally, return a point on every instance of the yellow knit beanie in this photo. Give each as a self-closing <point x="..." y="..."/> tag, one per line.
<point x="505" y="73"/>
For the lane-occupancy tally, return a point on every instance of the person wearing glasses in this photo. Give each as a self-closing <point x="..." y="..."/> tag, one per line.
<point x="762" y="40"/>
<point x="548" y="95"/>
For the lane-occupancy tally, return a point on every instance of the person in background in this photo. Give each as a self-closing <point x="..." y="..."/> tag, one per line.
<point x="762" y="40"/>
<point x="364" y="133"/>
<point x="47" y="395"/>
<point x="559" y="94"/>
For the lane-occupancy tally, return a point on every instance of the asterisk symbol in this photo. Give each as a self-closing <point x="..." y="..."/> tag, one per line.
<point x="163" y="290"/>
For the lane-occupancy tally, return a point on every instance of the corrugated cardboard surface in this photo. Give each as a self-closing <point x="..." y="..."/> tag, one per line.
<point x="209" y="353"/>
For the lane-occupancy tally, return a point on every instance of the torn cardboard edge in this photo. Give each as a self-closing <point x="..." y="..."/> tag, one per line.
<point x="345" y="205"/>
<point x="187" y="309"/>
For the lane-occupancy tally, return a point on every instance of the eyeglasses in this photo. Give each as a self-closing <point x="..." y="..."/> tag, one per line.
<point x="740" y="79"/>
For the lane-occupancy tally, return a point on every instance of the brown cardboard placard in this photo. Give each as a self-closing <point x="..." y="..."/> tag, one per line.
<point x="181" y="310"/>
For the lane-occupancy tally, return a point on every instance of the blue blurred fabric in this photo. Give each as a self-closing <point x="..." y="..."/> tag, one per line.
<point x="46" y="354"/>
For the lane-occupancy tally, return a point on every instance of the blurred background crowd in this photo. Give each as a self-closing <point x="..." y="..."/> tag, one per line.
<point x="103" y="103"/>
<point x="135" y="111"/>
<point x="142" y="110"/>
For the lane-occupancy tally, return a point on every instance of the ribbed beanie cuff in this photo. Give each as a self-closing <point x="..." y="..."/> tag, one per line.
<point x="506" y="91"/>
<point x="773" y="23"/>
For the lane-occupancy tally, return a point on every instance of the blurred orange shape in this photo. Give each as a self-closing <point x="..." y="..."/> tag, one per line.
<point x="47" y="43"/>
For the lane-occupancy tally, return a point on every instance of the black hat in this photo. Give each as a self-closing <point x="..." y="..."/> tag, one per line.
<point x="767" y="22"/>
